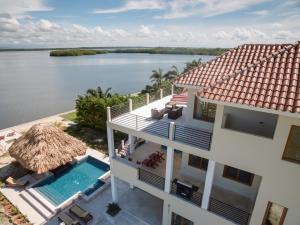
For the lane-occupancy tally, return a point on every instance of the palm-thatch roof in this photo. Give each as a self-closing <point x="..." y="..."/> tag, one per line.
<point x="45" y="147"/>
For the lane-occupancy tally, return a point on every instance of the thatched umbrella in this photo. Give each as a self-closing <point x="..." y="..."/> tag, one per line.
<point x="45" y="147"/>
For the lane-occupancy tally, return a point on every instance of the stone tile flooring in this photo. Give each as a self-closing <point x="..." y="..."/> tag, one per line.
<point x="138" y="208"/>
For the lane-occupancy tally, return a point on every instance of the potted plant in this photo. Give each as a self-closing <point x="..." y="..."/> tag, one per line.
<point x="113" y="209"/>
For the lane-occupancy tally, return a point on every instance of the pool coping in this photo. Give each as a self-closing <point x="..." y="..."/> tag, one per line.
<point x="50" y="206"/>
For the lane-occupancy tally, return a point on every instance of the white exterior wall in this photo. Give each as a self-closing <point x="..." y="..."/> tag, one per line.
<point x="262" y="156"/>
<point x="219" y="180"/>
<point x="190" y="111"/>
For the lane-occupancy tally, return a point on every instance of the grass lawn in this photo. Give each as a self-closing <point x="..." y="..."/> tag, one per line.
<point x="70" y="116"/>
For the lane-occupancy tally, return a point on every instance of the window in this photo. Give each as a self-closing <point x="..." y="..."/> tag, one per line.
<point x="204" y="110"/>
<point x="238" y="175"/>
<point x="198" y="162"/>
<point x="179" y="220"/>
<point x="292" y="147"/>
<point x="275" y="214"/>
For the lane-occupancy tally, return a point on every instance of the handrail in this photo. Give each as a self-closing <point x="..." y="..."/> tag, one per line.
<point x="192" y="136"/>
<point x="228" y="211"/>
<point x="196" y="197"/>
<point x="151" y="178"/>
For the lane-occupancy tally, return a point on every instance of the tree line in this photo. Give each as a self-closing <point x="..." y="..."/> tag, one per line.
<point x="91" y="107"/>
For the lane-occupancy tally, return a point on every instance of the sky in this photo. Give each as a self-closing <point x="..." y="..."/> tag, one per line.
<point x="177" y="23"/>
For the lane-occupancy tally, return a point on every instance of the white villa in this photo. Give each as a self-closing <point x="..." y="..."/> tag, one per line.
<point x="228" y="151"/>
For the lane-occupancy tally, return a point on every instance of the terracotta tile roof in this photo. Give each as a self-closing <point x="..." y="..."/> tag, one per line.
<point x="265" y="76"/>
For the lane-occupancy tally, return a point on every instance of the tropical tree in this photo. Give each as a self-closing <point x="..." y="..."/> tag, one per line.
<point x="172" y="74"/>
<point x="157" y="76"/>
<point x="191" y="65"/>
<point x="98" y="92"/>
<point x="91" y="107"/>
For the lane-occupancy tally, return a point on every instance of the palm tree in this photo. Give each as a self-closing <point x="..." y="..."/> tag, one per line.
<point x="157" y="76"/>
<point x="172" y="74"/>
<point x="98" y="92"/>
<point x="191" y="65"/>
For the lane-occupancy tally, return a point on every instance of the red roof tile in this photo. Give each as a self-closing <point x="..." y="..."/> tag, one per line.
<point x="264" y="76"/>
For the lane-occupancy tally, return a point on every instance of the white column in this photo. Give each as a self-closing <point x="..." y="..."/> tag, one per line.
<point x="131" y="140"/>
<point x="209" y="179"/>
<point x="147" y="98"/>
<point x="169" y="160"/>
<point x="114" y="190"/>
<point x="111" y="152"/>
<point x="166" y="214"/>
<point x="172" y="90"/>
<point x="161" y="93"/>
<point x="130" y="104"/>
<point x="169" y="169"/>
<point x="110" y="141"/>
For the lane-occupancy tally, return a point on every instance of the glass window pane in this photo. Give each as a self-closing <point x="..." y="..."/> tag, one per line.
<point x="245" y="177"/>
<point x="204" y="164"/>
<point x="292" y="148"/>
<point x="232" y="172"/>
<point x="275" y="214"/>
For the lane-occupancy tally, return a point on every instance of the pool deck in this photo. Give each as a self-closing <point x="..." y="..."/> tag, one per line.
<point x="33" y="208"/>
<point x="132" y="201"/>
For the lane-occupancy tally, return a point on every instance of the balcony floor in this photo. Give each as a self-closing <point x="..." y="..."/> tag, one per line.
<point x="224" y="195"/>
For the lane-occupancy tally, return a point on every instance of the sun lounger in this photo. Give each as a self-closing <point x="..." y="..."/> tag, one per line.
<point x="11" y="182"/>
<point x="67" y="219"/>
<point x="81" y="213"/>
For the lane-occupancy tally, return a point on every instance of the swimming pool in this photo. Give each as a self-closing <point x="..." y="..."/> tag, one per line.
<point x="80" y="177"/>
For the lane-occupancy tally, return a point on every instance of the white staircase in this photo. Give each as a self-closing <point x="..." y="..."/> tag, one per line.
<point x="39" y="205"/>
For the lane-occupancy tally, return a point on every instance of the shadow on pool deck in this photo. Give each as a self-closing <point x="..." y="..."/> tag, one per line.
<point x="138" y="207"/>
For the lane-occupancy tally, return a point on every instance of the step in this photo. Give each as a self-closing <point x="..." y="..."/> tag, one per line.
<point x="45" y="212"/>
<point x="42" y="200"/>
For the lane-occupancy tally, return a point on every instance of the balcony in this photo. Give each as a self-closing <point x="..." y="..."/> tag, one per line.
<point x="224" y="202"/>
<point x="137" y="116"/>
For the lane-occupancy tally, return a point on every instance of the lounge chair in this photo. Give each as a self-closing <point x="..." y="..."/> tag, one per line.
<point x="84" y="215"/>
<point x="11" y="182"/>
<point x="67" y="219"/>
<point x="157" y="114"/>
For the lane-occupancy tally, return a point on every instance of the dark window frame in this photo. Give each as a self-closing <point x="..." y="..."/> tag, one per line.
<point x="237" y="179"/>
<point x="206" y="113"/>
<point x="286" y="146"/>
<point x="282" y="218"/>
<point x="202" y="162"/>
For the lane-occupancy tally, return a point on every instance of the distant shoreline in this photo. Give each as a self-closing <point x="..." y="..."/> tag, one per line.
<point x="105" y="50"/>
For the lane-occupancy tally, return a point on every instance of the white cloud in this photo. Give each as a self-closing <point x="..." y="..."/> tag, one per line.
<point x="134" y="5"/>
<point x="20" y="8"/>
<point x="8" y="24"/>
<point x="260" y="13"/>
<point x="174" y="9"/>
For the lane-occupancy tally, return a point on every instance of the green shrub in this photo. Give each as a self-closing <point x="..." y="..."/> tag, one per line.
<point x="113" y="209"/>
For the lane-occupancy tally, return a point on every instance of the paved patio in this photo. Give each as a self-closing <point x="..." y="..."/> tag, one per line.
<point x="138" y="207"/>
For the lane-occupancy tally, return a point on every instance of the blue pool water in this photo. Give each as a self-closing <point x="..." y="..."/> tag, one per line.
<point x="82" y="176"/>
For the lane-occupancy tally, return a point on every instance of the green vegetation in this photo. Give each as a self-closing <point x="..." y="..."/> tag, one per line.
<point x="113" y="209"/>
<point x="91" y="114"/>
<point x="91" y="107"/>
<point x="70" y="116"/>
<point x="158" y="50"/>
<point x="76" y="52"/>
<point x="170" y="50"/>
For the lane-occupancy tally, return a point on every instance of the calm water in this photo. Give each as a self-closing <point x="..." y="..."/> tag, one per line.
<point x="34" y="85"/>
<point x="59" y="188"/>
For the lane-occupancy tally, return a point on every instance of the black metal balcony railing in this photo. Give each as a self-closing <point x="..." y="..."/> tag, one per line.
<point x="196" y="197"/>
<point x="192" y="136"/>
<point x="229" y="212"/>
<point x="151" y="178"/>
